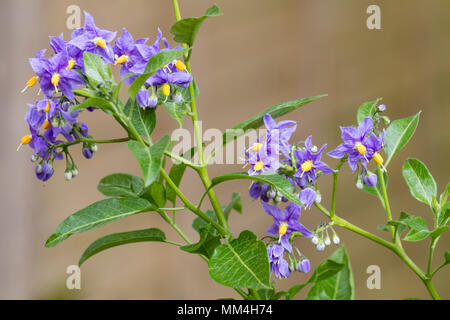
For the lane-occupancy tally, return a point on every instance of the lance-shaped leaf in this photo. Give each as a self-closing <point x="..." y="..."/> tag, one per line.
<point x="144" y="120"/>
<point x="185" y="30"/>
<point x="241" y="263"/>
<point x="339" y="286"/>
<point x="101" y="103"/>
<point x="420" y="182"/>
<point x="257" y="121"/>
<point x="121" y="185"/>
<point x="118" y="239"/>
<point x="96" y="215"/>
<point x="367" y="109"/>
<point x="274" y="180"/>
<point x="149" y="158"/>
<point x="96" y="69"/>
<point x="155" y="63"/>
<point x="398" y="134"/>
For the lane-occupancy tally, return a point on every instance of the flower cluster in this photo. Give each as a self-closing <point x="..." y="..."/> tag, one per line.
<point x="360" y="146"/>
<point x="52" y="123"/>
<point x="301" y="166"/>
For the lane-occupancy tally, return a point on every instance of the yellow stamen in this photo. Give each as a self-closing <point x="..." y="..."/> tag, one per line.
<point x="47" y="108"/>
<point x="100" y="42"/>
<point x="257" y="146"/>
<point x="46" y="125"/>
<point x="180" y="65"/>
<point x="258" y="166"/>
<point x="307" y="165"/>
<point x="25" y="140"/>
<point x="378" y="158"/>
<point x="71" y="64"/>
<point x="55" y="79"/>
<point x="282" y="229"/>
<point x="361" y="148"/>
<point x="166" y="89"/>
<point x="30" y="83"/>
<point x="122" y="59"/>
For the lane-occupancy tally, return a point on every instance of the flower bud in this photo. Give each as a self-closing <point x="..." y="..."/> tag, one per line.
<point x="271" y="193"/>
<point x="336" y="239"/>
<point x="315" y="239"/>
<point x="94" y="148"/>
<point x="34" y="157"/>
<point x="68" y="174"/>
<point x="381" y="108"/>
<point x="278" y="198"/>
<point x="304" y="265"/>
<point x="153" y="101"/>
<point x="87" y="153"/>
<point x="65" y="106"/>
<point x="74" y="172"/>
<point x="370" y="179"/>
<point x="327" y="240"/>
<point x="386" y="120"/>
<point x="318" y="197"/>
<point x="359" y="182"/>
<point x="314" y="149"/>
<point x="55" y="122"/>
<point x="320" y="246"/>
<point x="39" y="168"/>
<point x="177" y="97"/>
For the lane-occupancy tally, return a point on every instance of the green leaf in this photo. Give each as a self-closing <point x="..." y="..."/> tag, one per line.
<point x="185" y="30"/>
<point x="376" y="190"/>
<point x="420" y="182"/>
<point x="176" y="174"/>
<point x="155" y="63"/>
<point x="121" y="185"/>
<point x="444" y="195"/>
<point x="209" y="240"/>
<point x="367" y="109"/>
<point x="257" y="121"/>
<point x="419" y="229"/>
<point x="96" y="215"/>
<point x="339" y="286"/>
<point x="177" y="111"/>
<point x="84" y="92"/>
<point x="158" y="194"/>
<point x="402" y="224"/>
<point x="96" y="69"/>
<point x="274" y="180"/>
<point x="323" y="271"/>
<point x="444" y="215"/>
<point x="144" y="120"/>
<point x="101" y="103"/>
<point x="241" y="263"/>
<point x="149" y="158"/>
<point x="438" y="232"/>
<point x="118" y="239"/>
<point x="398" y="134"/>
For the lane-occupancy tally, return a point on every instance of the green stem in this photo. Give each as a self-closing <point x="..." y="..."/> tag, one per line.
<point x="386" y="202"/>
<point x="254" y="293"/>
<point x="335" y="178"/>
<point x="430" y="255"/>
<point x="190" y="206"/>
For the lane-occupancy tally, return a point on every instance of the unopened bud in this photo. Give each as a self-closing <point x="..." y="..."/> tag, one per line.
<point x="327" y="240"/>
<point x="386" y="120"/>
<point x="315" y="239"/>
<point x="381" y="107"/>
<point x="55" y="122"/>
<point x="94" y="148"/>
<point x="320" y="246"/>
<point x="359" y="182"/>
<point x="177" y="97"/>
<point x="314" y="149"/>
<point x="68" y="175"/>
<point x="336" y="239"/>
<point x="65" y="105"/>
<point x="34" y="157"/>
<point x="39" y="168"/>
<point x="271" y="193"/>
<point x="74" y="172"/>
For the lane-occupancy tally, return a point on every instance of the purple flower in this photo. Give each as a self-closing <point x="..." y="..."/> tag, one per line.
<point x="304" y="266"/>
<point x="284" y="130"/>
<point x="127" y="53"/>
<point x="54" y="75"/>
<point x="95" y="40"/>
<point x="308" y="163"/>
<point x="278" y="265"/>
<point x="357" y="144"/>
<point x="87" y="153"/>
<point x="285" y="222"/>
<point x="74" y="54"/>
<point x="307" y="196"/>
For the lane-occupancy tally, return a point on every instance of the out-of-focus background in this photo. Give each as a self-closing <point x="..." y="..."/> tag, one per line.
<point x="257" y="54"/>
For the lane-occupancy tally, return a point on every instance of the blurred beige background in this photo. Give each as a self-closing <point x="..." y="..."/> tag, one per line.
<point x="258" y="54"/>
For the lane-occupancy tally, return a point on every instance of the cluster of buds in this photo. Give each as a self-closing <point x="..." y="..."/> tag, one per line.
<point x="323" y="240"/>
